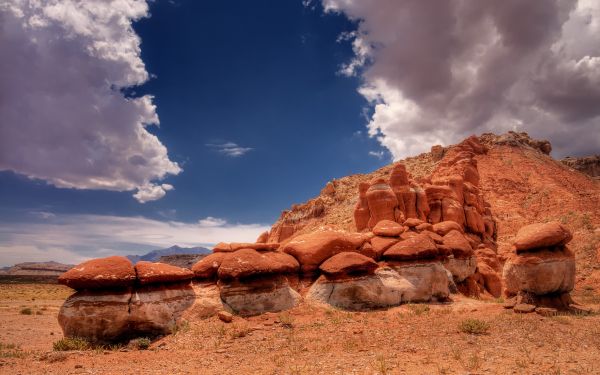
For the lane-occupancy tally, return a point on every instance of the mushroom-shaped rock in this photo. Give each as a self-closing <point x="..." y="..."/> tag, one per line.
<point x="420" y="246"/>
<point x="388" y="228"/>
<point x="541" y="272"/>
<point x="208" y="266"/>
<point x="442" y="228"/>
<point x="542" y="235"/>
<point x="156" y="273"/>
<point x="102" y="273"/>
<point x="248" y="262"/>
<point x="461" y="248"/>
<point x="312" y="249"/>
<point x="348" y="264"/>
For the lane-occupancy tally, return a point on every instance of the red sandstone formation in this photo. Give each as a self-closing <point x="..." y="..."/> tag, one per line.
<point x="111" y="272"/>
<point x="160" y="273"/>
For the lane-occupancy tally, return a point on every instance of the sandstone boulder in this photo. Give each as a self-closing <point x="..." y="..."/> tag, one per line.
<point x="272" y="246"/>
<point x="157" y="309"/>
<point x="312" y="249"/>
<point x="413" y="222"/>
<point x="381" y="244"/>
<point x="388" y="228"/>
<point x="99" y="316"/>
<point x="542" y="235"/>
<point x="420" y="246"/>
<point x="461" y="268"/>
<point x="247" y="262"/>
<point x="348" y="264"/>
<point x="540" y="272"/>
<point x="461" y="248"/>
<point x="259" y="295"/>
<point x="387" y="287"/>
<point x="102" y="273"/>
<point x="157" y="273"/>
<point x="442" y="228"/>
<point x="208" y="266"/>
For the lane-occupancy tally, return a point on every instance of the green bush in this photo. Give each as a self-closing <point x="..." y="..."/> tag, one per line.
<point x="474" y="326"/>
<point x="141" y="343"/>
<point x="70" y="343"/>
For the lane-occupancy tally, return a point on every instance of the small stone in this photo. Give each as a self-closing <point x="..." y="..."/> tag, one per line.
<point x="524" y="308"/>
<point x="509" y="304"/>
<point x="78" y="366"/>
<point x="225" y="316"/>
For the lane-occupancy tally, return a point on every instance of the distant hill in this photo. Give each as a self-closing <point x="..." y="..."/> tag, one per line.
<point x="33" y="272"/>
<point x="154" y="255"/>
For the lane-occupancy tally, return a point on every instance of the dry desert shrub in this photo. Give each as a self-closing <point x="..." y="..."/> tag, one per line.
<point x="71" y="343"/>
<point x="474" y="326"/>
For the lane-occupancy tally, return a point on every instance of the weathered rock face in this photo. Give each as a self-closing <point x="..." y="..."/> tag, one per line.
<point x="96" y="315"/>
<point x="460" y="246"/>
<point x="540" y="272"/>
<point x="382" y="202"/>
<point x="589" y="165"/>
<point x="348" y="264"/>
<point x="110" y="272"/>
<point x="542" y="235"/>
<point x="157" y="309"/>
<point x="253" y="297"/>
<point x="158" y="273"/>
<point x="387" y="287"/>
<point x="461" y="268"/>
<point x="313" y="248"/>
<point x="247" y="262"/>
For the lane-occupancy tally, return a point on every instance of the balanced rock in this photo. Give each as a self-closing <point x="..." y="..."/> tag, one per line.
<point x="348" y="264"/>
<point x="388" y="228"/>
<point x="156" y="273"/>
<point x="542" y="235"/>
<point x="102" y="273"/>
<point x="312" y="249"/>
<point x="248" y="262"/>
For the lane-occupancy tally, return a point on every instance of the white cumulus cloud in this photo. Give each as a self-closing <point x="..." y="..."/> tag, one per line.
<point x="63" y="115"/>
<point x="437" y="71"/>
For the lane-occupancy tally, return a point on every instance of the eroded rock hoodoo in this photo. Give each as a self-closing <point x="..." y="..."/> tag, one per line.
<point x="540" y="272"/>
<point x="115" y="300"/>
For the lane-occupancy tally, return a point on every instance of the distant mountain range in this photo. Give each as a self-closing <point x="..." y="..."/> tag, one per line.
<point x="154" y="255"/>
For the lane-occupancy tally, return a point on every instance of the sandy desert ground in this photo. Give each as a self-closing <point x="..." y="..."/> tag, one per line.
<point x="410" y="339"/>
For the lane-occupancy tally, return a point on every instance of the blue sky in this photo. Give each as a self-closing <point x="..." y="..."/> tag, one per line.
<point x="128" y="125"/>
<point x="251" y="106"/>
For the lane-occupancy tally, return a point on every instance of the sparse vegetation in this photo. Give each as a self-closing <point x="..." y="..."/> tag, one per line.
<point x="71" y="343"/>
<point x="11" y="351"/>
<point x="418" y="309"/>
<point x="286" y="320"/>
<point x="474" y="326"/>
<point x="141" y="343"/>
